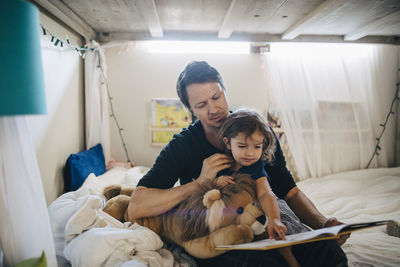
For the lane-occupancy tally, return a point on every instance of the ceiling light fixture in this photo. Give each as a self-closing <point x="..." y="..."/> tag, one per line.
<point x="197" y="47"/>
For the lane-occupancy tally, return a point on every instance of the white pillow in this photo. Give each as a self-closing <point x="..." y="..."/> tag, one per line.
<point x="133" y="175"/>
<point x="113" y="176"/>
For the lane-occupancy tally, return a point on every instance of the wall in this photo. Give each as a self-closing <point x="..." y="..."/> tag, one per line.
<point x="135" y="76"/>
<point x="61" y="131"/>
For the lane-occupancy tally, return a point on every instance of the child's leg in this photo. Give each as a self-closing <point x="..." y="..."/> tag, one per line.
<point x="289" y="257"/>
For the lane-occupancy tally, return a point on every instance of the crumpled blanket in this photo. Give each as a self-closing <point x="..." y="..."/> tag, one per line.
<point x="87" y="236"/>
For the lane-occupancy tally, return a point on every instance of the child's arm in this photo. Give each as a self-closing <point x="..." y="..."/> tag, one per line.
<point x="267" y="199"/>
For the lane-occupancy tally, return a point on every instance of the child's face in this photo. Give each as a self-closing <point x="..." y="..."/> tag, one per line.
<point x="246" y="150"/>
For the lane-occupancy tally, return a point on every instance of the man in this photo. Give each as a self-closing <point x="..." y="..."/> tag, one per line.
<point x="195" y="157"/>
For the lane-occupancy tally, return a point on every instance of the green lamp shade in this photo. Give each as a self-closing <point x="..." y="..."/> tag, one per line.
<point x="21" y="73"/>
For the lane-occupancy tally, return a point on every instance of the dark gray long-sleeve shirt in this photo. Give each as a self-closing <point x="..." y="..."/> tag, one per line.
<point x="182" y="158"/>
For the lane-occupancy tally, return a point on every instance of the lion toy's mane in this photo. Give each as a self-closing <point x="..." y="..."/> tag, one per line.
<point x="208" y="217"/>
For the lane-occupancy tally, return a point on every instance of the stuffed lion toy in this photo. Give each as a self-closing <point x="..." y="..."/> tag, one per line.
<point x="208" y="218"/>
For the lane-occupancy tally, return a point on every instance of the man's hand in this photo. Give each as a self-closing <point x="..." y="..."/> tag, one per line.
<point x="308" y="213"/>
<point x="332" y="222"/>
<point x="212" y="165"/>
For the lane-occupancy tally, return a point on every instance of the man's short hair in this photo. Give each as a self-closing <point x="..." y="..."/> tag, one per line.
<point x="196" y="72"/>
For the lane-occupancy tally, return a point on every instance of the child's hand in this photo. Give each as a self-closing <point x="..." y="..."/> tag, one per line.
<point x="276" y="229"/>
<point x="223" y="181"/>
<point x="211" y="166"/>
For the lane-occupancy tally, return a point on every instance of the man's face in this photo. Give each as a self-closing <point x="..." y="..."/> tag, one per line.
<point x="208" y="103"/>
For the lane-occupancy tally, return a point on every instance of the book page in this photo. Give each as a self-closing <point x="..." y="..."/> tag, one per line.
<point x="290" y="239"/>
<point x="310" y="236"/>
<point x="359" y="226"/>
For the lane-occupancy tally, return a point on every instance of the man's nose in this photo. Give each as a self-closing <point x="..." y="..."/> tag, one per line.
<point x="212" y="107"/>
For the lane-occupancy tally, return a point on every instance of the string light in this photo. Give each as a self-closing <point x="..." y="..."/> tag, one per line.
<point x="82" y="53"/>
<point x="57" y="41"/>
<point x="120" y="129"/>
<point x="383" y="125"/>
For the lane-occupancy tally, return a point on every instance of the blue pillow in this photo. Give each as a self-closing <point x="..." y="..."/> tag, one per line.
<point x="80" y="165"/>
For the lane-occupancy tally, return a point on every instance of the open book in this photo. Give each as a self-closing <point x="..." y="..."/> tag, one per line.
<point x="333" y="232"/>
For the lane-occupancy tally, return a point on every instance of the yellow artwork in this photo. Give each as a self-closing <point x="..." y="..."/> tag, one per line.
<point x="163" y="137"/>
<point x="171" y="115"/>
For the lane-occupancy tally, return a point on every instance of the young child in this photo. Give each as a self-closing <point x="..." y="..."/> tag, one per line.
<point x="249" y="140"/>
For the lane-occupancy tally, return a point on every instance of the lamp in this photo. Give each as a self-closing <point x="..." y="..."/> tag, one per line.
<point x="25" y="230"/>
<point x="21" y="74"/>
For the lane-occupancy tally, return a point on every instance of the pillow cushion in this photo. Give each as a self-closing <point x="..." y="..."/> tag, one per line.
<point x="80" y="165"/>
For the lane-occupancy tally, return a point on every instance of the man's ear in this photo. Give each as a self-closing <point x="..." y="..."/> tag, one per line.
<point x="226" y="142"/>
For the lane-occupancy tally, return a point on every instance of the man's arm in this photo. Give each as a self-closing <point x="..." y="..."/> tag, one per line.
<point x="283" y="185"/>
<point x="146" y="202"/>
<point x="304" y="208"/>
<point x="308" y="212"/>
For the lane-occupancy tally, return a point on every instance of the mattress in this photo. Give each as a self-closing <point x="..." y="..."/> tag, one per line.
<point x="361" y="196"/>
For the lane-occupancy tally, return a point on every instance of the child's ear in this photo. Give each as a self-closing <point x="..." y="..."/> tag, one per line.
<point x="226" y="142"/>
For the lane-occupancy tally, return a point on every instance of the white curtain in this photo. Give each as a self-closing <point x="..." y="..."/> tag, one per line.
<point x="24" y="225"/>
<point x="331" y="99"/>
<point x="96" y="100"/>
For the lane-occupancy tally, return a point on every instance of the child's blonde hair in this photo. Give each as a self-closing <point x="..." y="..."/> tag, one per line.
<point x="248" y="121"/>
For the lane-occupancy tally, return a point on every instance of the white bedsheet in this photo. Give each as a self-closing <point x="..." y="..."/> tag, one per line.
<point x="358" y="196"/>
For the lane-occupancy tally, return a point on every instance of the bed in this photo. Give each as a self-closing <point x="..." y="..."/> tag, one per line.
<point x="86" y="236"/>
<point x="358" y="196"/>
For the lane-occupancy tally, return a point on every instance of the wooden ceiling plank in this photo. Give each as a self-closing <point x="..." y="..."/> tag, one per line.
<point x="67" y="16"/>
<point x="232" y="17"/>
<point x="149" y="12"/>
<point x="227" y="28"/>
<point x="210" y="36"/>
<point x="377" y="25"/>
<point x="313" y="17"/>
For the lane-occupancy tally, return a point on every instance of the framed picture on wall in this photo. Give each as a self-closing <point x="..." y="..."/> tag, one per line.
<point x="169" y="116"/>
